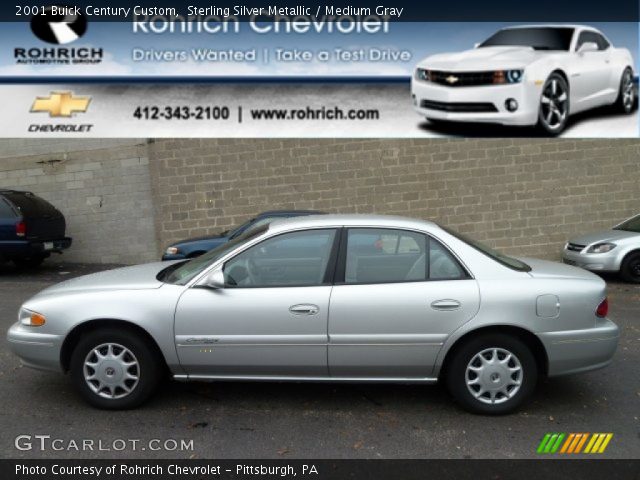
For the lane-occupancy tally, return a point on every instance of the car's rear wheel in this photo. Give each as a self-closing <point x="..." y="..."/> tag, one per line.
<point x="553" y="112"/>
<point x="630" y="269"/>
<point x="115" y="369"/>
<point x="626" y="96"/>
<point x="492" y="374"/>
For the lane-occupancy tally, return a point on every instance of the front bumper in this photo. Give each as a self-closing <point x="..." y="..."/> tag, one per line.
<point x="35" y="349"/>
<point x="594" y="262"/>
<point x="176" y="256"/>
<point x="577" y="351"/>
<point x="527" y="94"/>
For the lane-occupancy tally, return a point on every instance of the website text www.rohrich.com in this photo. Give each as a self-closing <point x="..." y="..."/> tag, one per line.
<point x="311" y="113"/>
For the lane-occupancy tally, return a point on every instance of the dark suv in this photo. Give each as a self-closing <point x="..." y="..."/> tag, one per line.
<point x="30" y="228"/>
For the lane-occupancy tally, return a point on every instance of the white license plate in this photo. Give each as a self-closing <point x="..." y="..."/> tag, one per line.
<point x="48" y="245"/>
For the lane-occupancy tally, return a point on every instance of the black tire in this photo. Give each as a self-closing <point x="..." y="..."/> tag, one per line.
<point x="553" y="125"/>
<point x="149" y="371"/>
<point x="623" y="103"/>
<point x="29" y="262"/>
<point x="456" y="374"/>
<point x="630" y="269"/>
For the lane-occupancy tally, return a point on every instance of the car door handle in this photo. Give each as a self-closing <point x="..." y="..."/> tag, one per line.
<point x="446" y="305"/>
<point x="304" y="309"/>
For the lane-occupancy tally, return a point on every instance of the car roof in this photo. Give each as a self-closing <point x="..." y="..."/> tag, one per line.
<point x="269" y="213"/>
<point x="567" y="25"/>
<point x="352" y="220"/>
<point x="8" y="190"/>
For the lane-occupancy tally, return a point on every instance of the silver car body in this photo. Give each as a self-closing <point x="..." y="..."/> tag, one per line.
<point x="398" y="332"/>
<point x="577" y="250"/>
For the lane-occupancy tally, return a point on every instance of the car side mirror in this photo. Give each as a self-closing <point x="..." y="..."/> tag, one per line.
<point x="588" y="47"/>
<point x="215" y="279"/>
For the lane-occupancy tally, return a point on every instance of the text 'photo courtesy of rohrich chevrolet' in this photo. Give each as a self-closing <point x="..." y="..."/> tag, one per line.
<point x="320" y="241"/>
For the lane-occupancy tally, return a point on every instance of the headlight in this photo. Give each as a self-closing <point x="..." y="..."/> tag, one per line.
<point x="171" y="251"/>
<point x="423" y="74"/>
<point x="508" y="76"/>
<point x="31" y="319"/>
<point x="601" y="248"/>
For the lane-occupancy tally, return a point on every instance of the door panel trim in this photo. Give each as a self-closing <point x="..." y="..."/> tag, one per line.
<point x="269" y="378"/>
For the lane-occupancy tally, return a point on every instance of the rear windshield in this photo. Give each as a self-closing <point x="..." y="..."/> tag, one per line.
<point x="512" y="263"/>
<point x="30" y="205"/>
<point x="5" y="209"/>
<point x="631" y="225"/>
<point x="538" y="38"/>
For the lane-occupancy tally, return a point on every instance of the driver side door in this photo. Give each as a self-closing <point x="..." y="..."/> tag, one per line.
<point x="590" y="80"/>
<point x="271" y="318"/>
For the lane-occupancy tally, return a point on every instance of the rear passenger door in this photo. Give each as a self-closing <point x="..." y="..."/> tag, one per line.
<point x="398" y="295"/>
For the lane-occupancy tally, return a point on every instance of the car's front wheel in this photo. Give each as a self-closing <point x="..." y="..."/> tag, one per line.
<point x="553" y="112"/>
<point x="492" y="374"/>
<point x="630" y="269"/>
<point x="626" y="95"/>
<point x="115" y="369"/>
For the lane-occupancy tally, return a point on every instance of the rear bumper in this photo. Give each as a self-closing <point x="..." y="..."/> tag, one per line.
<point x="29" y="248"/>
<point x="577" y="351"/>
<point x="36" y="350"/>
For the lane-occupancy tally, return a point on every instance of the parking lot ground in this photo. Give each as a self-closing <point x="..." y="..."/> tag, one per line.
<point x="265" y="420"/>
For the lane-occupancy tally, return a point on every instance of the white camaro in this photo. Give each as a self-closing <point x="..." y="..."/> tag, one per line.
<point x="526" y="75"/>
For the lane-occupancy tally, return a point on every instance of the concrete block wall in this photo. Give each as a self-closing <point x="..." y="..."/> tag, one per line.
<point x="102" y="187"/>
<point x="524" y="196"/>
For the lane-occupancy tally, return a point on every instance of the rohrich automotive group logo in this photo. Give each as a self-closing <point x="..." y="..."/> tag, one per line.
<point x="60" y="105"/>
<point x="574" y="443"/>
<point x="58" y="25"/>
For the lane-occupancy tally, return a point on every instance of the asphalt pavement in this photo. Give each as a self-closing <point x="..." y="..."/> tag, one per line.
<point x="266" y="420"/>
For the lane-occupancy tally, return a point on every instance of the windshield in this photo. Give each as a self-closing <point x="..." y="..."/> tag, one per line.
<point x="188" y="270"/>
<point x="539" y="38"/>
<point x="512" y="263"/>
<point x="631" y="225"/>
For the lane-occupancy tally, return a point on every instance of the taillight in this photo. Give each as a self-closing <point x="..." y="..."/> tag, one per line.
<point x="21" y="229"/>
<point x="603" y="308"/>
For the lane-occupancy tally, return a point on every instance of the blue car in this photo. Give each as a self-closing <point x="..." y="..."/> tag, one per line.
<point x="195" y="247"/>
<point x="30" y="228"/>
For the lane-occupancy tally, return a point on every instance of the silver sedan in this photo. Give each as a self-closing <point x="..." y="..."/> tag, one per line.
<point x="614" y="250"/>
<point x="328" y="298"/>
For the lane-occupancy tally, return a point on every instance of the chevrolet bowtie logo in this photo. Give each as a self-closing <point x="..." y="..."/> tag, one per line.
<point x="61" y="104"/>
<point x="452" y="79"/>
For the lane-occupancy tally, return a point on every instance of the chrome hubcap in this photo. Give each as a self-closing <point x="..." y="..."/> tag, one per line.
<point x="111" y="370"/>
<point x="554" y="104"/>
<point x="494" y="376"/>
<point x="628" y="93"/>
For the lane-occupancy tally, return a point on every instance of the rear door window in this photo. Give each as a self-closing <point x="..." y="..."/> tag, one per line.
<point x="395" y="256"/>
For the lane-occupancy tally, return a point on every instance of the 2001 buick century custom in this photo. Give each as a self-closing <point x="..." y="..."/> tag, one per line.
<point x="526" y="75"/>
<point x="325" y="298"/>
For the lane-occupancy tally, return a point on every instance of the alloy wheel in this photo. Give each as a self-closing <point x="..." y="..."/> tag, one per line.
<point x="111" y="370"/>
<point x="554" y="104"/>
<point x="494" y="376"/>
<point x="628" y="92"/>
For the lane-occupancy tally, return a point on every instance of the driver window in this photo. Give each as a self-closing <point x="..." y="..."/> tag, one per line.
<point x="594" y="38"/>
<point x="292" y="259"/>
